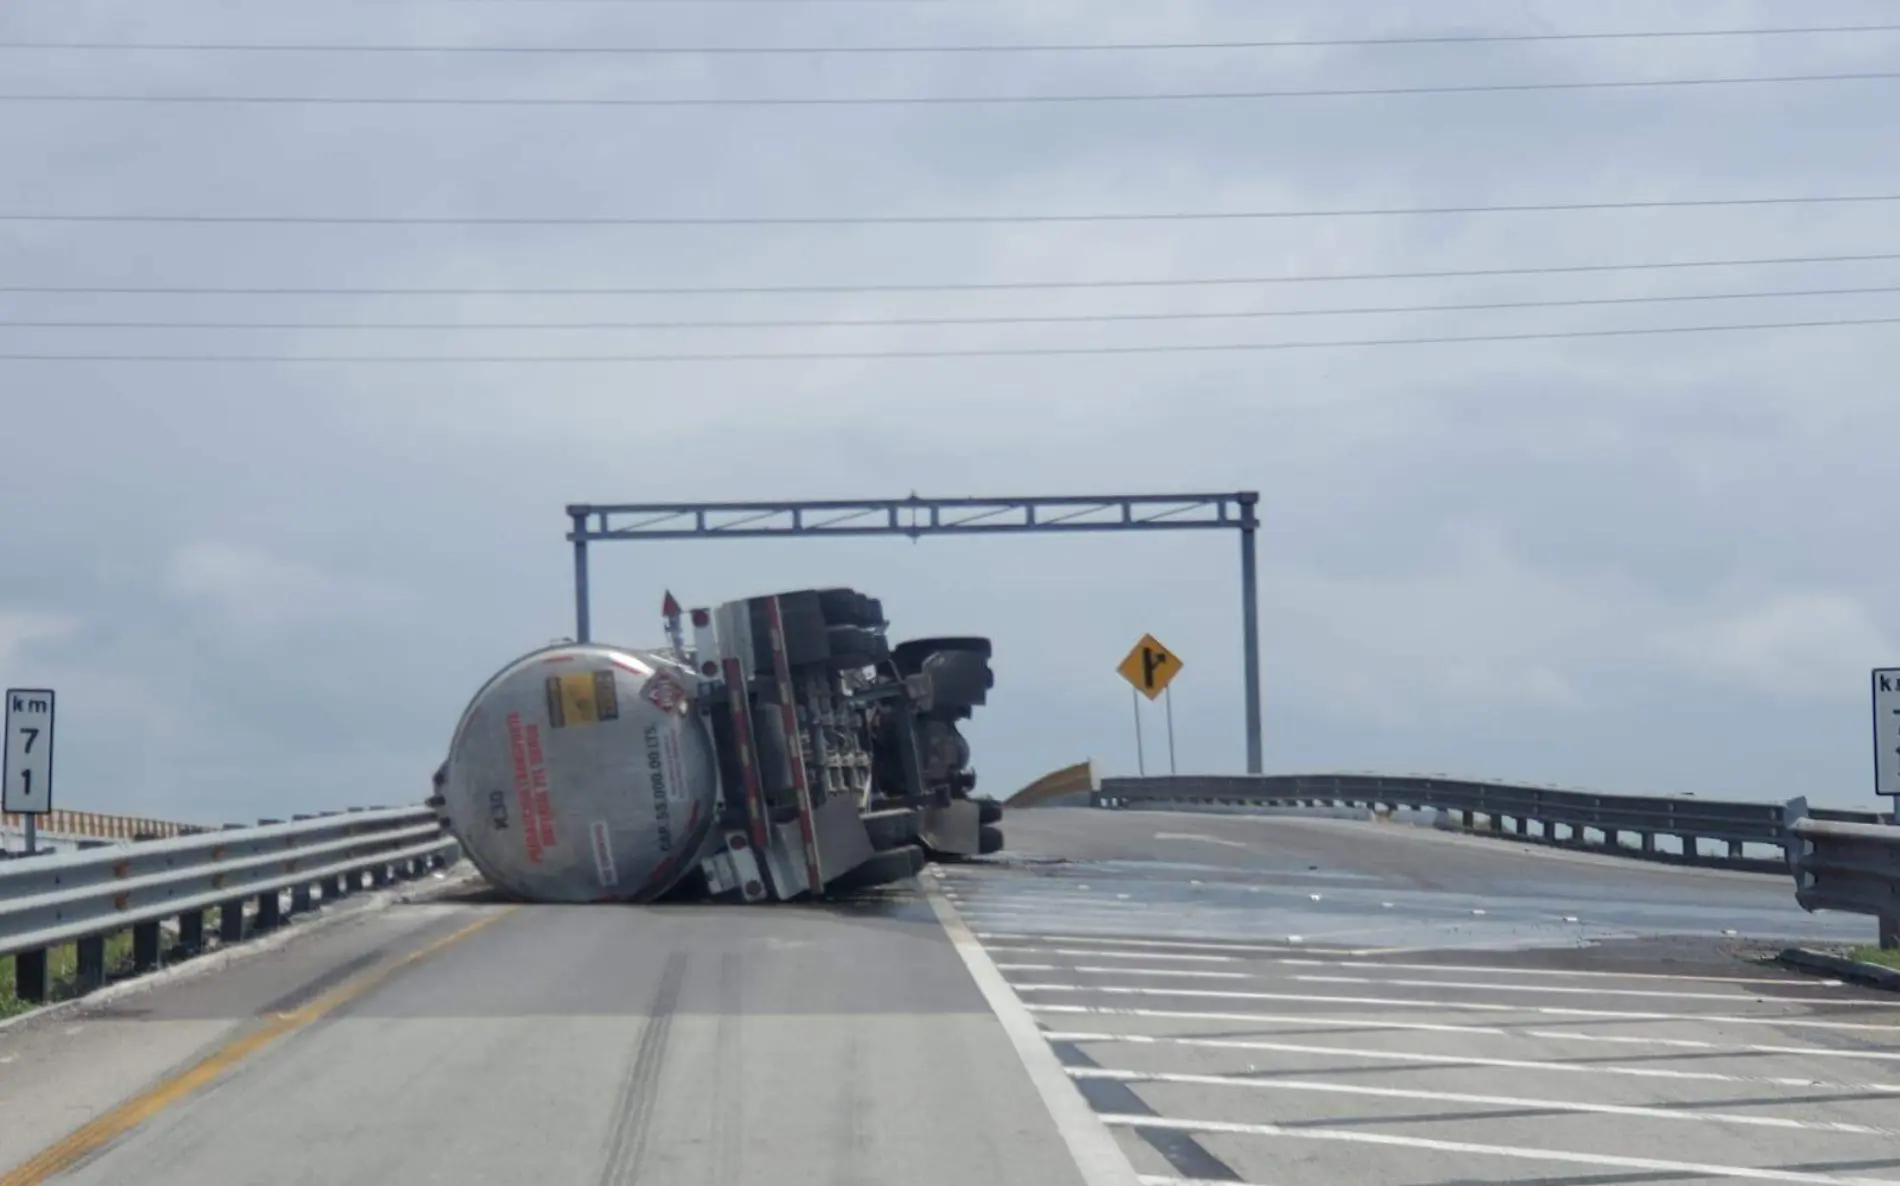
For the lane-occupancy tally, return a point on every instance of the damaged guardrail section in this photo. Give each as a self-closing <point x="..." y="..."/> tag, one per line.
<point x="1550" y="815"/>
<point x="82" y="898"/>
<point x="1851" y="867"/>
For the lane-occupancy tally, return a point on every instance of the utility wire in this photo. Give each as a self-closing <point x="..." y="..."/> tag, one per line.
<point x="981" y="48"/>
<point x="890" y="322"/>
<point x="936" y="100"/>
<point x="990" y="352"/>
<point x="976" y="286"/>
<point x="929" y="219"/>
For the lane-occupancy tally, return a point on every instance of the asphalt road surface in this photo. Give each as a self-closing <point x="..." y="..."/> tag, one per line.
<point x="1317" y="1002"/>
<point x="1181" y="998"/>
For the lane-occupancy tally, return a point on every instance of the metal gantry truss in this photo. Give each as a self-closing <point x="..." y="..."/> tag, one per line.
<point x="917" y="516"/>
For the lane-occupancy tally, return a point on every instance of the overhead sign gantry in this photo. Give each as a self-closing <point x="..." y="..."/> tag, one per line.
<point x="916" y="516"/>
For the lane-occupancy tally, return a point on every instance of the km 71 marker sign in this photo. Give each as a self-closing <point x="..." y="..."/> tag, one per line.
<point x="28" y="769"/>
<point x="1887" y="731"/>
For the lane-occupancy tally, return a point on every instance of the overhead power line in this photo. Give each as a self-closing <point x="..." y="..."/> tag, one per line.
<point x="710" y="101"/>
<point x="894" y="322"/>
<point x="977" y="48"/>
<point x="973" y="286"/>
<point x="981" y="352"/>
<point x="715" y="220"/>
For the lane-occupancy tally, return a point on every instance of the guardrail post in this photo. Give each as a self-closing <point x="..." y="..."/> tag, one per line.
<point x="191" y="930"/>
<point x="1692" y="847"/>
<point x="336" y="888"/>
<point x="144" y="946"/>
<point x="379" y="876"/>
<point x="1889" y="932"/>
<point x="1649" y="842"/>
<point x="231" y="922"/>
<point x="300" y="899"/>
<point x="91" y="962"/>
<point x="1734" y="850"/>
<point x="1612" y="838"/>
<point x="269" y="913"/>
<point x="29" y="975"/>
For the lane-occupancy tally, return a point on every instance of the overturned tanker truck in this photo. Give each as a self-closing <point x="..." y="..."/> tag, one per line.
<point x="788" y="751"/>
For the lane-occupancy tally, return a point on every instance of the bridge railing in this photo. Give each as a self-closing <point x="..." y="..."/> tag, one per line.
<point x="83" y="897"/>
<point x="1578" y="818"/>
<point x="1848" y="866"/>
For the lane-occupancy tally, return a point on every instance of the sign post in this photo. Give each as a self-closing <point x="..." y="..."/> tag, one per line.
<point x="1167" y="698"/>
<point x="26" y="775"/>
<point x="1149" y="669"/>
<point x="1886" y="687"/>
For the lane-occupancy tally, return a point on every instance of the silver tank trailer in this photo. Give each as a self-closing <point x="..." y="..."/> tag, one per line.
<point x="580" y="773"/>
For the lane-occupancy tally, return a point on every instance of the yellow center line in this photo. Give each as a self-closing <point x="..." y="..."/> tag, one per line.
<point x="95" y="1135"/>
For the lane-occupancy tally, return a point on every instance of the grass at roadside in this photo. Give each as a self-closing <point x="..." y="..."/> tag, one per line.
<point x="62" y="971"/>
<point x="1889" y="958"/>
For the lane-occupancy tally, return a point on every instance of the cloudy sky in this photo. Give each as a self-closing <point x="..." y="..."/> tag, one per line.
<point x="1640" y="563"/>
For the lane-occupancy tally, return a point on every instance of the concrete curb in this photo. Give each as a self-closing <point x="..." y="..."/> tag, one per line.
<point x="1872" y="975"/>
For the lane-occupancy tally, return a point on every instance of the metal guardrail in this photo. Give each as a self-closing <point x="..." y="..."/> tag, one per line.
<point x="83" y="897"/>
<point x="1852" y="867"/>
<point x="1530" y="813"/>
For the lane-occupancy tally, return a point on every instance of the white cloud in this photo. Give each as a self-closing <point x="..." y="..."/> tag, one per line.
<point x="1496" y="555"/>
<point x="1478" y="633"/>
<point x="253" y="589"/>
<point x="23" y="630"/>
<point x="1794" y="645"/>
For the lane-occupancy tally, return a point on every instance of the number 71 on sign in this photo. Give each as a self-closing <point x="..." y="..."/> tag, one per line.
<point x="1886" y="683"/>
<point x="27" y="771"/>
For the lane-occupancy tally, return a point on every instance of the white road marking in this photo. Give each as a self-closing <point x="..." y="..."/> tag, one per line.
<point x="1467" y="1006"/>
<point x="1461" y="1060"/>
<point x="1694" y="1044"/>
<point x="1224" y="843"/>
<point x="1159" y="944"/>
<point x="1567" y="973"/>
<point x="1606" y="1160"/>
<point x="1431" y="1027"/>
<point x="1097" y="1156"/>
<point x="1158" y="972"/>
<point x="1117" y="955"/>
<point x="1124" y="971"/>
<point x="1458" y="1097"/>
<point x="1594" y="990"/>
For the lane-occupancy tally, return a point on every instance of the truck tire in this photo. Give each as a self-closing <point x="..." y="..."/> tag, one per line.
<point x="848" y="607"/>
<point x="910" y="655"/>
<point x="989" y="811"/>
<point x="852" y="647"/>
<point x="958" y="679"/>
<point x="990" y="839"/>
<point x="893" y="865"/>
<point x="805" y="637"/>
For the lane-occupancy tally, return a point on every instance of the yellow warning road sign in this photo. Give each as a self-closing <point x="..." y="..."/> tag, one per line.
<point x="1150" y="666"/>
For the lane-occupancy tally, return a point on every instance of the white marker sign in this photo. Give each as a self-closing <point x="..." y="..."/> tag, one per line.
<point x="28" y="769"/>
<point x="1887" y="730"/>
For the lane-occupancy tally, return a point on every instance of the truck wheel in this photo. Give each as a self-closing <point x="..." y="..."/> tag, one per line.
<point x="848" y="607"/>
<point x="990" y="839"/>
<point x="884" y="868"/>
<point x="910" y="655"/>
<point x="804" y="620"/>
<point x="989" y="811"/>
<point x="958" y="679"/>
<point x="855" y="646"/>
